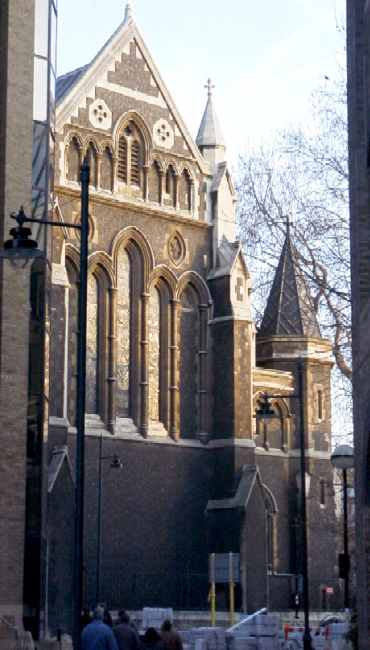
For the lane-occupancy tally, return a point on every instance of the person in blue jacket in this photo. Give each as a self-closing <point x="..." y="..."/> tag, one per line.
<point x="97" y="635"/>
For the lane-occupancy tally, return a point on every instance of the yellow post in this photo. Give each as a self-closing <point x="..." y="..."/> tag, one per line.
<point x="231" y="590"/>
<point x="213" y="588"/>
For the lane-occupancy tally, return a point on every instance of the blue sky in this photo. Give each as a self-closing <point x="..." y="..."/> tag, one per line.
<point x="264" y="57"/>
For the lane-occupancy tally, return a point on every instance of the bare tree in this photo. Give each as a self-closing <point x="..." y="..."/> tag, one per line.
<point x="303" y="176"/>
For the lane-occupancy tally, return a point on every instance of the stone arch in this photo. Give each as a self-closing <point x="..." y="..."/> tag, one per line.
<point x="73" y="255"/>
<point x="193" y="278"/>
<point x="73" y="155"/>
<point x="163" y="272"/>
<point x="103" y="261"/>
<point x="134" y="234"/>
<point x="138" y="120"/>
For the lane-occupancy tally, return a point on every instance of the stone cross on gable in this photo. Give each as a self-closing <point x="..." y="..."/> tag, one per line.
<point x="209" y="86"/>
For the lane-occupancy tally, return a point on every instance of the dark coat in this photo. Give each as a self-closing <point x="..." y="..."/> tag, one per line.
<point x="98" y="636"/>
<point x="127" y="638"/>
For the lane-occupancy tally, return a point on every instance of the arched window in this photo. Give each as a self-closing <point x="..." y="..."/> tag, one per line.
<point x="155" y="181"/>
<point x="189" y="363"/>
<point x="131" y="156"/>
<point x="130" y="274"/>
<point x="171" y="186"/>
<point x="106" y="179"/>
<point x="185" y="190"/>
<point x="123" y="333"/>
<point x="92" y="345"/>
<point x="72" y="340"/>
<point x="73" y="160"/>
<point x="154" y="322"/>
<point x="91" y="156"/>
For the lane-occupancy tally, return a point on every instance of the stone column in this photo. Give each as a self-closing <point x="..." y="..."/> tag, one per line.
<point x="112" y="359"/>
<point x="174" y="428"/>
<point x="203" y="374"/>
<point x="144" y="345"/>
<point x="14" y="362"/>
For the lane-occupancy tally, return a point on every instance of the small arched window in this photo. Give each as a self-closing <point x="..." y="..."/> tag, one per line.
<point x="73" y="160"/>
<point x="131" y="156"/>
<point x="92" y="161"/>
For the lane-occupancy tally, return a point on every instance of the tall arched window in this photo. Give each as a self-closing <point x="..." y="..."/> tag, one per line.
<point x="92" y="345"/>
<point x="130" y="273"/>
<point x="106" y="179"/>
<point x="185" y="190"/>
<point x="73" y="160"/>
<point x="171" y="186"/>
<point x="131" y="156"/>
<point x="155" y="181"/>
<point x="123" y="333"/>
<point x="189" y="363"/>
<point x="72" y="340"/>
<point x="91" y="155"/>
<point x="154" y="323"/>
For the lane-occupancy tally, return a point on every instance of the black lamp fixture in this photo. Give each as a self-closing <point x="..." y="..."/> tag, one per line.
<point x="342" y="459"/>
<point x="265" y="412"/>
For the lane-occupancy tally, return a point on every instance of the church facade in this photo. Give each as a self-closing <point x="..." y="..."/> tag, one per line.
<point x="175" y="367"/>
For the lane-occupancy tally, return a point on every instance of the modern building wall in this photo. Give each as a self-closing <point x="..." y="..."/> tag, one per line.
<point x="358" y="59"/>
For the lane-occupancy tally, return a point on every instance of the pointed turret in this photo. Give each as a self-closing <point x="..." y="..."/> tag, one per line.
<point x="289" y="310"/>
<point x="210" y="139"/>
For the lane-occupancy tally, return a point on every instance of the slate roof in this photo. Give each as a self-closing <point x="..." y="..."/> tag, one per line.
<point x="66" y="81"/>
<point x="210" y="134"/>
<point x="289" y="310"/>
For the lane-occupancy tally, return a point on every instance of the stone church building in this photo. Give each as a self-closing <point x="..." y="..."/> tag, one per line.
<point x="175" y="367"/>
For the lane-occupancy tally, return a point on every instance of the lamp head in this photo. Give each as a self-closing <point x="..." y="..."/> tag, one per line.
<point x="342" y="457"/>
<point x="265" y="410"/>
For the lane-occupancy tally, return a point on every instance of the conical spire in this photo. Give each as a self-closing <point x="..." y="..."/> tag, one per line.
<point x="289" y="310"/>
<point x="210" y="134"/>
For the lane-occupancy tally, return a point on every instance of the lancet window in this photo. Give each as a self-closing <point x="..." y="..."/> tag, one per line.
<point x="106" y="177"/>
<point x="92" y="160"/>
<point x="189" y="363"/>
<point x="92" y="345"/>
<point x="171" y="186"/>
<point x="155" y="183"/>
<point x="73" y="153"/>
<point x="72" y="315"/>
<point x="130" y="156"/>
<point x="185" y="191"/>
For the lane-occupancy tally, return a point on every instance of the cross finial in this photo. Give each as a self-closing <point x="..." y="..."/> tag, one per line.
<point x="128" y="11"/>
<point x="209" y="86"/>
<point x="288" y="223"/>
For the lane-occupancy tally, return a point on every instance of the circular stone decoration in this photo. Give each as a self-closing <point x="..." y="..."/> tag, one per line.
<point x="176" y="249"/>
<point x="163" y="134"/>
<point x="99" y="115"/>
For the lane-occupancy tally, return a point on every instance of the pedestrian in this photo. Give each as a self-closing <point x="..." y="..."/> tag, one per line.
<point x="97" y="635"/>
<point x="85" y="617"/>
<point x="152" y="640"/>
<point x="126" y="636"/>
<point x="171" y="639"/>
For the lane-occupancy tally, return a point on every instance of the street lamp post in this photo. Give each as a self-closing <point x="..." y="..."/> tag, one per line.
<point x="342" y="458"/>
<point x="115" y="464"/>
<point x="266" y="412"/>
<point x="21" y="241"/>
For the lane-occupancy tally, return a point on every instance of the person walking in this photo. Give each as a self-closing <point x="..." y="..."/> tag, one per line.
<point x="97" y="635"/>
<point x="171" y="640"/>
<point x="126" y="636"/>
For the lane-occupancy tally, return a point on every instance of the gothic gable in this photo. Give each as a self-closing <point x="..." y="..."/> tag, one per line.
<point x="121" y="78"/>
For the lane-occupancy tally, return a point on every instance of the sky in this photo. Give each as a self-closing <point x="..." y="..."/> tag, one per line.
<point x="265" y="58"/>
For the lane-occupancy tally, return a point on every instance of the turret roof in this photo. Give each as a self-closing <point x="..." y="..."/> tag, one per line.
<point x="290" y="310"/>
<point x="210" y="134"/>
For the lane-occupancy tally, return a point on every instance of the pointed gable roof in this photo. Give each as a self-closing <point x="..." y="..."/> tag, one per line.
<point x="289" y="310"/>
<point x="210" y="134"/>
<point x="75" y="87"/>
